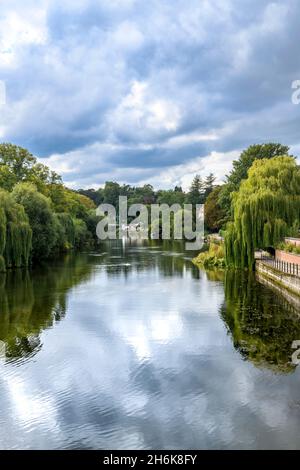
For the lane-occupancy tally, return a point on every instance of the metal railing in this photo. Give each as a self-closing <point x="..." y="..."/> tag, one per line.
<point x="283" y="266"/>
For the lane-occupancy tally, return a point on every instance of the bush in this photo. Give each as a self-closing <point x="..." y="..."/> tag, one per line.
<point x="213" y="257"/>
<point x="289" y="247"/>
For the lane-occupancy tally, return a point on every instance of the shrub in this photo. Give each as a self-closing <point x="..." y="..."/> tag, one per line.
<point x="213" y="257"/>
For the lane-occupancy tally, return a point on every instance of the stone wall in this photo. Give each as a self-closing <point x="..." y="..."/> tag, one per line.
<point x="283" y="280"/>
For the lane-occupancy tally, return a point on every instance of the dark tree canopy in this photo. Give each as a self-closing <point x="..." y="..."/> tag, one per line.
<point x="214" y="214"/>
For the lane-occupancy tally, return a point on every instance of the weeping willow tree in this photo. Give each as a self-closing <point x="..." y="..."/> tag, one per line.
<point x="15" y="233"/>
<point x="266" y="208"/>
<point x="66" y="228"/>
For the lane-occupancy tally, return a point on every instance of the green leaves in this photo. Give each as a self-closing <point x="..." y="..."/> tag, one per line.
<point x="41" y="216"/>
<point x="265" y="209"/>
<point x="241" y="167"/>
<point x="15" y="233"/>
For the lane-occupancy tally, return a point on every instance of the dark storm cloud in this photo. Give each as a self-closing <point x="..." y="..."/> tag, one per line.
<point x="100" y="87"/>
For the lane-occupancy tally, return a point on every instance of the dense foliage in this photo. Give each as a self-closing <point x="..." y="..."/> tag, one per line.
<point x="15" y="233"/>
<point x="39" y="216"/>
<point x="109" y="194"/>
<point x="265" y="209"/>
<point x="215" y="216"/>
<point x="240" y="169"/>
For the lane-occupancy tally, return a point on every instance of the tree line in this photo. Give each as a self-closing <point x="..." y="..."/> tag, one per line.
<point x="257" y="205"/>
<point x="217" y="198"/>
<point x="198" y="193"/>
<point x="259" y="202"/>
<point x="39" y="215"/>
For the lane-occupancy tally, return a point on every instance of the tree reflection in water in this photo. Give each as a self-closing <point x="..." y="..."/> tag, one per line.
<point x="262" y="323"/>
<point x="31" y="301"/>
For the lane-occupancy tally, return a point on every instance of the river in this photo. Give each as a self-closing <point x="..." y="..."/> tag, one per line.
<point x="134" y="347"/>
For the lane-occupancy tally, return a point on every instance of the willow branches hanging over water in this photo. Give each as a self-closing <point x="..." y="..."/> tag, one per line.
<point x="15" y="233"/>
<point x="39" y="216"/>
<point x="266" y="208"/>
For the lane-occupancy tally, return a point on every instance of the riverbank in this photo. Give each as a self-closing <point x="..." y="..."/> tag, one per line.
<point x="287" y="284"/>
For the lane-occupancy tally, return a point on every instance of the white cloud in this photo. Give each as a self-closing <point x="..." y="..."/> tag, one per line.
<point x="142" y="114"/>
<point x="127" y="36"/>
<point x="127" y="89"/>
<point x="99" y="155"/>
<point x="19" y="29"/>
<point x="182" y="175"/>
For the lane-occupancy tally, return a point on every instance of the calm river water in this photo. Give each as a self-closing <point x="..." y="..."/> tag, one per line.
<point x="134" y="347"/>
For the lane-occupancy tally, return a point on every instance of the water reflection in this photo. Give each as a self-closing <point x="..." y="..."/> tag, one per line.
<point x="126" y="348"/>
<point x="262" y="323"/>
<point x="139" y="256"/>
<point x="31" y="302"/>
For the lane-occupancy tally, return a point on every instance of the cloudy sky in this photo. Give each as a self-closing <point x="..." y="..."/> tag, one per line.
<point x="147" y="91"/>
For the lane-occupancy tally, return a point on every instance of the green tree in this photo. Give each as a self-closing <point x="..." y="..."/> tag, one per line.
<point x="139" y="194"/>
<point x="95" y="195"/>
<point x="196" y="191"/>
<point x="209" y="185"/>
<point x="111" y="193"/>
<point x="81" y="233"/>
<point x="41" y="218"/>
<point x="15" y="233"/>
<point x="241" y="167"/>
<point x="17" y="159"/>
<point x="59" y="217"/>
<point x="7" y="178"/>
<point x="18" y="164"/>
<point x="170" y="197"/>
<point x="265" y="209"/>
<point x="42" y="176"/>
<point x="215" y="216"/>
<point x="66" y="231"/>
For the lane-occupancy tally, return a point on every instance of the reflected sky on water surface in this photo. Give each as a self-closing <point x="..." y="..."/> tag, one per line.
<point x="134" y="347"/>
